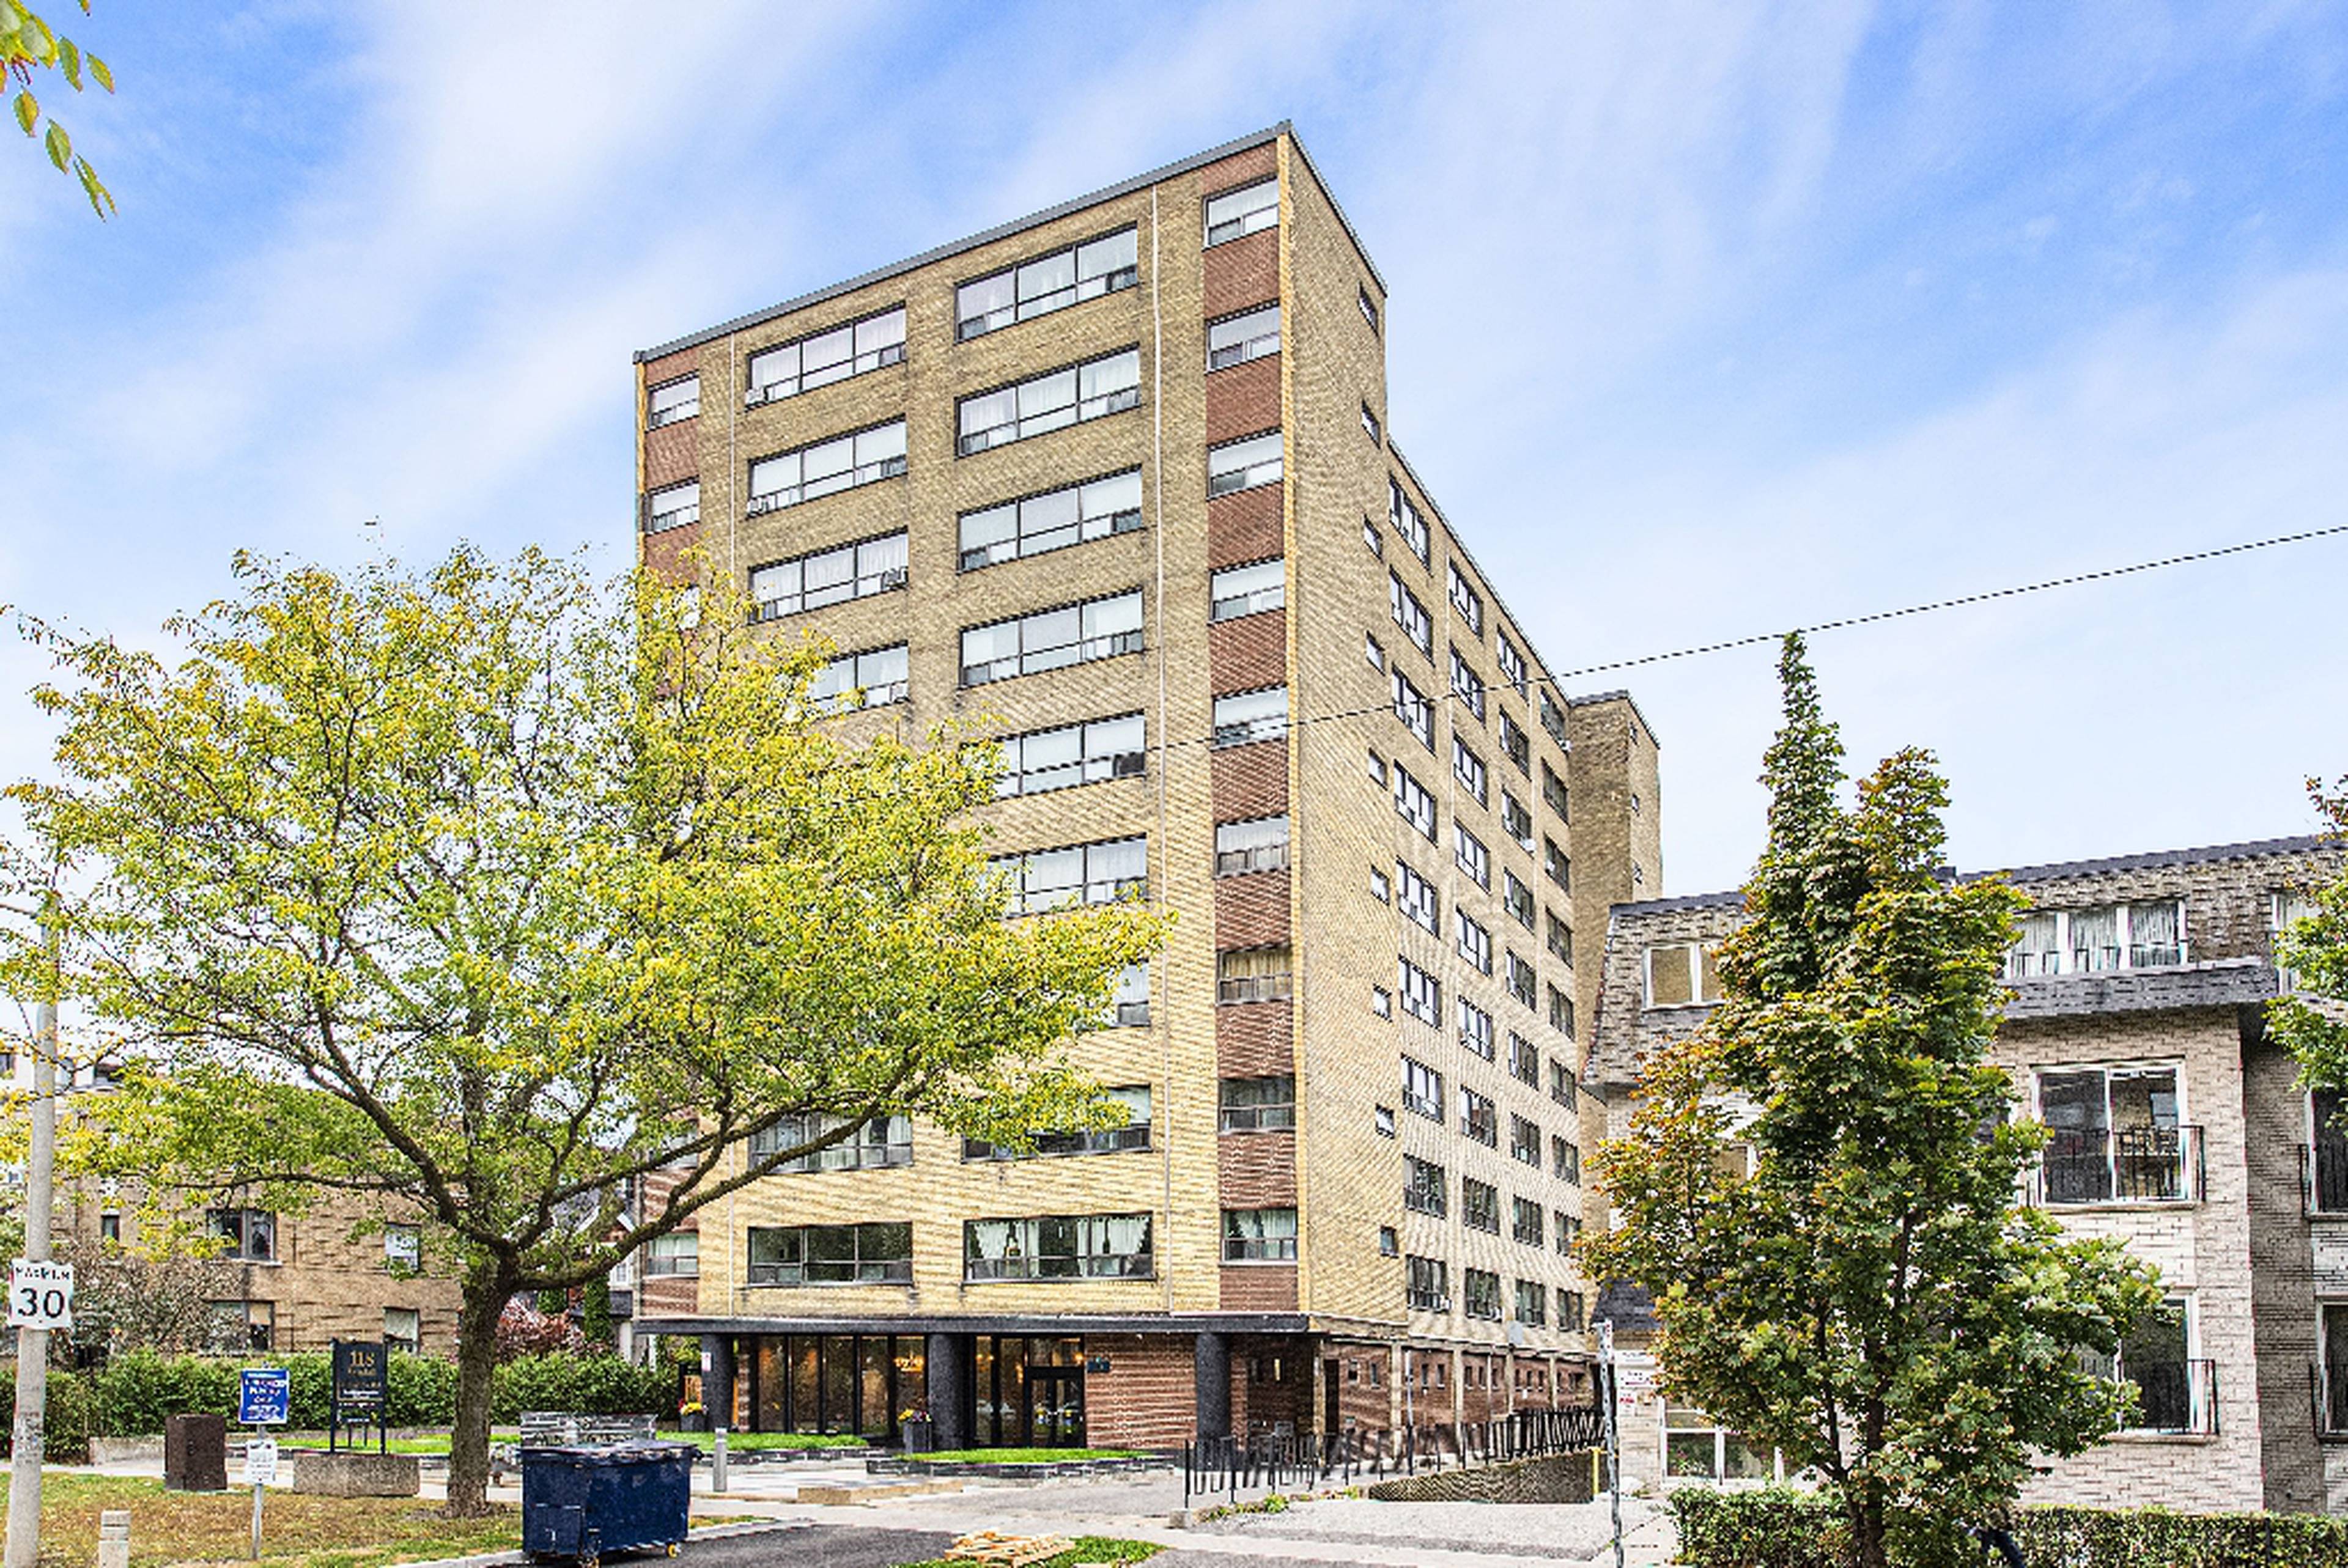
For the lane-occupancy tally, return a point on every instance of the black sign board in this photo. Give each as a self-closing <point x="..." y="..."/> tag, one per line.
<point x="359" y="1367"/>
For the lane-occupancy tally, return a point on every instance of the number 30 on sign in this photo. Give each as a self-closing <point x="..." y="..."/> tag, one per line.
<point x="40" y="1295"/>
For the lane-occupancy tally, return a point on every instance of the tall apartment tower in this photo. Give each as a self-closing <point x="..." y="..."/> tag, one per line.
<point x="1115" y="482"/>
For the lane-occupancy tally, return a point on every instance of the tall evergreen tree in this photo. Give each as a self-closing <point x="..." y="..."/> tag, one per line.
<point x="1820" y="1186"/>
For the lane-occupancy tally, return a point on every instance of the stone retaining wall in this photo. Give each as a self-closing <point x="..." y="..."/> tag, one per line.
<point x="1557" y="1477"/>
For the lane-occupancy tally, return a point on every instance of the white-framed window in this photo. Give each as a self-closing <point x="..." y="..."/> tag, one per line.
<point x="672" y="401"/>
<point x="818" y="359"/>
<point x="1373" y="652"/>
<point x="1418" y="900"/>
<point x="1523" y="983"/>
<point x="1698" y="1448"/>
<point x="1101" y="873"/>
<point x="878" y="673"/>
<point x="1370" y="426"/>
<point x="1036" y="525"/>
<point x="675" y="1255"/>
<point x="1242" y="590"/>
<point x="1052" y="639"/>
<point x="1243" y="211"/>
<point x="1404" y="515"/>
<point x="1094" y="389"/>
<point x="1682" y="974"/>
<point x="2175" y="1387"/>
<point x="1041" y="761"/>
<point x="1516" y="820"/>
<point x="1475" y="942"/>
<point x="1246" y="717"/>
<point x="1243" y="465"/>
<point x="1259" y="1236"/>
<point x="1132" y="1133"/>
<point x="1516" y="898"/>
<point x="1512" y="662"/>
<point x="1468" y="768"/>
<point x="1377" y="770"/>
<point x="1235" y="340"/>
<point x="1422" y="994"/>
<point x="1414" y="803"/>
<point x="1382" y="1001"/>
<point x="672" y="506"/>
<point x="827" y="468"/>
<point x="1370" y="537"/>
<point x="1476" y="1029"/>
<point x="1464" y="598"/>
<point x="1467" y="684"/>
<point x="2286" y="908"/>
<point x="1047" y="284"/>
<point x="1256" y="844"/>
<point x="246" y="1235"/>
<point x="1410" y="615"/>
<point x="1128" y="1006"/>
<point x="1479" y="1118"/>
<point x="1474" y="858"/>
<point x="2116" y="1133"/>
<point x="1422" y="1089"/>
<point x="834" y="576"/>
<point x="1411" y="706"/>
<point x="403" y="1330"/>
<point x="1482" y="1293"/>
<point x="1380" y="886"/>
<point x="2145" y="934"/>
<point x="1382" y="1120"/>
<point x="403" y="1248"/>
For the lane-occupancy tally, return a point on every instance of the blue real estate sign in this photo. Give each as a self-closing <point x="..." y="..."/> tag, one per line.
<point x="264" y="1396"/>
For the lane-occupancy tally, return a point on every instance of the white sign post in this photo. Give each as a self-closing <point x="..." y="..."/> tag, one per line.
<point x="1607" y="1369"/>
<point x="40" y="1295"/>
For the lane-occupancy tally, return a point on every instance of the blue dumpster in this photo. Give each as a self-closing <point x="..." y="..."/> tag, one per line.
<point x="578" y="1504"/>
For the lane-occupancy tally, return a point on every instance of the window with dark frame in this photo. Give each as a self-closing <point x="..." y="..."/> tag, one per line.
<point x="1043" y="284"/>
<point x="818" y="358"/>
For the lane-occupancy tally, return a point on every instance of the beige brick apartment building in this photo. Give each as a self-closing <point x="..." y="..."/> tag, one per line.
<point x="1116" y="482"/>
<point x="2135" y="1032"/>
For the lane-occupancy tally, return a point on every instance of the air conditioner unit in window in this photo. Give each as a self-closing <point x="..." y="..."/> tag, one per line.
<point x="893" y="578"/>
<point x="1126" y="765"/>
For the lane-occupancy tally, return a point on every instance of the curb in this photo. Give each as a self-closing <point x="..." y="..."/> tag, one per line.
<point x="518" y="1556"/>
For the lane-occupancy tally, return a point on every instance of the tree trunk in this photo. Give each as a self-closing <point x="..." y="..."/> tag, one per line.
<point x="1868" y="1548"/>
<point x="477" y="1364"/>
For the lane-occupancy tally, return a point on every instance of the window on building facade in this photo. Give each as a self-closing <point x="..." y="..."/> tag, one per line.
<point x="2176" y="1391"/>
<point x="1382" y="1001"/>
<point x="1046" y="880"/>
<point x="1573" y="1313"/>
<point x="1553" y="793"/>
<point x="1558" y="937"/>
<point x="1411" y="706"/>
<point x="1532" y="1303"/>
<point x="1243" y="211"/>
<point x="1422" y="1089"/>
<point x="243" y="1325"/>
<point x="1382" y="1120"/>
<point x="1681" y="973"/>
<point x="1235" y="340"/>
<point x="1479" y="1118"/>
<point x="1518" y="747"/>
<point x="1237" y="466"/>
<point x="1467" y="685"/>
<point x="2140" y="936"/>
<point x="1474" y="858"/>
<point x="1259" y="1236"/>
<point x="1422" y="994"/>
<point x="1516" y="821"/>
<point x="1413" y="803"/>
<point x="1426" y="1283"/>
<point x="1043" y="761"/>
<point x="1377" y="769"/>
<point x="1040" y="405"/>
<point x="1552" y="718"/>
<point x="672" y="506"/>
<point x="1524" y="1141"/>
<point x="821" y="358"/>
<point x="1556" y="866"/>
<point x="1560" y="1012"/>
<point x="1257" y="1104"/>
<point x="1369" y="309"/>
<point x="1247" y="590"/>
<point x="1524" y="1060"/>
<point x="1077" y="1246"/>
<point x="1482" y="1293"/>
<point x="1370" y="537"/>
<point x="1246" y="717"/>
<point x="1468" y="768"/>
<point x="1565" y="1229"/>
<point x="403" y="1330"/>
<point x="1410" y="615"/>
<point x="676" y="1256"/>
<point x="1129" y="1005"/>
<point x="1418" y="900"/>
<point x="1565" y="1159"/>
<point x="1259" y="844"/>
<point x="246" y="1235"/>
<point x="1512" y="662"/>
<point x="1523" y="983"/>
<point x="881" y="1253"/>
<point x="1402" y="515"/>
<point x="827" y="576"/>
<point x="672" y="401"/>
<point x="1052" y="639"/>
<point x="2116" y="1134"/>
<point x="1370" y="426"/>
<point x="1475" y="941"/>
<point x="1479" y="1205"/>
<point x="1380" y="886"/>
<point x="1516" y="898"/>
<point x="403" y="1248"/>
<point x="1047" y="283"/>
<point x="877" y="673"/>
<point x="1561" y="1087"/>
<point x="1389" y="1245"/>
<point x="1253" y="975"/>
<point x="1464" y="598"/>
<point x="827" y="468"/>
<point x="1373" y="652"/>
<point x="1529" y="1222"/>
<point x="876" y="1145"/>
<point x="1475" y="1029"/>
<point x="1132" y="1133"/>
<point x="1054" y="521"/>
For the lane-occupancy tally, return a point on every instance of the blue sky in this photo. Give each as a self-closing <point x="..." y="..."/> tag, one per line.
<point x="1707" y="319"/>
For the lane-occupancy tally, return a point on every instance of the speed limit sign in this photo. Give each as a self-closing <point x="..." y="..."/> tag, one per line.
<point x="40" y="1295"/>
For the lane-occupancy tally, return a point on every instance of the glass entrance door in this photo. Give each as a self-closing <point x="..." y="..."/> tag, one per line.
<point x="1056" y="1407"/>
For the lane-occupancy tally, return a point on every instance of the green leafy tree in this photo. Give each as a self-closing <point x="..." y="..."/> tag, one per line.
<point x="1819" y="1187"/>
<point x="27" y="44"/>
<point x="488" y="894"/>
<point x="2313" y="1022"/>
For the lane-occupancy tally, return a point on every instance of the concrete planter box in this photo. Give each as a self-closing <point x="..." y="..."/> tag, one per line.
<point x="126" y="1450"/>
<point x="351" y="1473"/>
<point x="1044" y="1472"/>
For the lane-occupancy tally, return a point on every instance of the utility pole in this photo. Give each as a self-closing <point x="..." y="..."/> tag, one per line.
<point x="33" y="1344"/>
<point x="1613" y="1440"/>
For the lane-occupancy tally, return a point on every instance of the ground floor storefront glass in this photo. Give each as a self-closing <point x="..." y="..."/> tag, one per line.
<point x="838" y="1384"/>
<point x="1027" y="1391"/>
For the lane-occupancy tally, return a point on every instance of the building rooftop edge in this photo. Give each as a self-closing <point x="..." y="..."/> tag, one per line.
<point x="1016" y="225"/>
<point x="2250" y="849"/>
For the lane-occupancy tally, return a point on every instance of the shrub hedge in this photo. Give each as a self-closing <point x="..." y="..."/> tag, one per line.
<point x="1782" y="1528"/>
<point x="132" y="1395"/>
<point x="64" y="1419"/>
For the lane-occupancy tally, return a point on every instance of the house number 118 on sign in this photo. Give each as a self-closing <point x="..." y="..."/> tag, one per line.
<point x="40" y="1295"/>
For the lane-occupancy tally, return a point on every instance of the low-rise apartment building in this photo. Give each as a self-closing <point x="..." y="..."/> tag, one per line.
<point x="2136" y="1032"/>
<point x="1116" y="482"/>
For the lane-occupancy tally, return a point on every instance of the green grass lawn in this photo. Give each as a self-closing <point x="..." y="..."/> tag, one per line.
<point x="1025" y="1456"/>
<point x="1087" y="1549"/>
<point x="297" y="1531"/>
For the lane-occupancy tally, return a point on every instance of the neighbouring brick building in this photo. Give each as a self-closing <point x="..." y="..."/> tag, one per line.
<point x="1115" y="481"/>
<point x="2134" y="1032"/>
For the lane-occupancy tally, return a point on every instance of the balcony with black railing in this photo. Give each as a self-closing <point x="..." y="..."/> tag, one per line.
<point x="2127" y="1166"/>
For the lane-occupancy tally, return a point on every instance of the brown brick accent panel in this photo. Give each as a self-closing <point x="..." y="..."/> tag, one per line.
<point x="1560" y="1478"/>
<point x="1244" y="526"/>
<point x="1262" y="1287"/>
<point x="1257" y="1402"/>
<point x="1249" y="651"/>
<point x="683" y="362"/>
<point x="1364" y="1385"/>
<point x="1243" y="400"/>
<point x="1145" y="1399"/>
<point x="1250" y="781"/>
<point x="1251" y="911"/>
<point x="664" y="552"/>
<point x="1242" y="272"/>
<point x="1257" y="1170"/>
<point x="671" y="453"/>
<point x="1253" y="1040"/>
<point x="668" y="1296"/>
<point x="1239" y="169"/>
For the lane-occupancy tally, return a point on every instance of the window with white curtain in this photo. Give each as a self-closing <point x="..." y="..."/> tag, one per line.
<point x="672" y="401"/>
<point x="1047" y="284"/>
<point x="1078" y="1246"/>
<point x="672" y="506"/>
<point x="1243" y="211"/>
<point x="1259" y="1236"/>
<point x="821" y="358"/>
<point x="1242" y="590"/>
<point x="1102" y="873"/>
<point x="827" y="468"/>
<point x="879" y="673"/>
<point x="1235" y="340"/>
<point x="1036" y="525"/>
<point x="833" y="576"/>
<point x="2147" y="934"/>
<point x="1052" y="639"/>
<point x="1092" y="390"/>
<point x="1238" y="466"/>
<point x="1247" y="717"/>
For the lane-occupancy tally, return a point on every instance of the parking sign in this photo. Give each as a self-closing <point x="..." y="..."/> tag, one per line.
<point x="40" y="1295"/>
<point x="264" y="1396"/>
